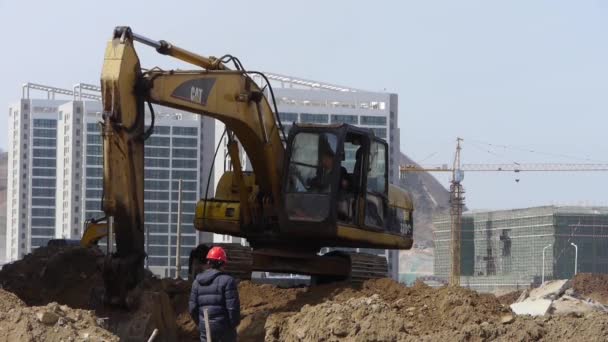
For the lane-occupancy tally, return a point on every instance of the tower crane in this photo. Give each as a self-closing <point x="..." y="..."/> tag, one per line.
<point x="457" y="190"/>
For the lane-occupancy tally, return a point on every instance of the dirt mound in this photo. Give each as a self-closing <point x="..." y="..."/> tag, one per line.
<point x="376" y="310"/>
<point x="591" y="285"/>
<point x="357" y="319"/>
<point x="266" y="307"/>
<point x="509" y="298"/>
<point x="54" y="274"/>
<point x="448" y="314"/>
<point x="52" y="322"/>
<point x="71" y="275"/>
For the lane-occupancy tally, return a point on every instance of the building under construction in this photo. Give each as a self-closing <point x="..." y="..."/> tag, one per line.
<point x="503" y="250"/>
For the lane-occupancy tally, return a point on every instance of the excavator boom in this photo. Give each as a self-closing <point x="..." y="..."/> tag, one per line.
<point x="229" y="96"/>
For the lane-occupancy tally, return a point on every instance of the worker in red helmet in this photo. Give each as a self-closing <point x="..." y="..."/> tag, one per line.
<point x="216" y="292"/>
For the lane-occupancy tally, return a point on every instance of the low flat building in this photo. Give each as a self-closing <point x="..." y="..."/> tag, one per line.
<point x="503" y="250"/>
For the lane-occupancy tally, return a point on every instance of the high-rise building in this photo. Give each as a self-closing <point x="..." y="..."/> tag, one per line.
<point x="65" y="181"/>
<point x="31" y="171"/>
<point x="175" y="151"/>
<point x="3" y="183"/>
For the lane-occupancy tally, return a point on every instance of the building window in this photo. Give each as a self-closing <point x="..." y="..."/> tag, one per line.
<point x="289" y="117"/>
<point x="45" y="123"/>
<point x="379" y="132"/>
<point x="151" y="162"/>
<point x="157" y="141"/>
<point x="185" y="131"/>
<point x="314" y="118"/>
<point x="184" y="142"/>
<point x="180" y="153"/>
<point x="349" y="119"/>
<point x="373" y="120"/>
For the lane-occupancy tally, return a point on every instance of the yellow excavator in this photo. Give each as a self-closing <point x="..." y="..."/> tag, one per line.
<point x="300" y="198"/>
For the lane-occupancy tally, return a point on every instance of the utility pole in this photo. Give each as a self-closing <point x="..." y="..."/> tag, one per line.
<point x="575" y="257"/>
<point x="178" y="264"/>
<point x="542" y="281"/>
<point x="456" y="205"/>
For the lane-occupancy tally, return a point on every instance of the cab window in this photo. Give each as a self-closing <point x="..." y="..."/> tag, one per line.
<point x="311" y="176"/>
<point x="376" y="198"/>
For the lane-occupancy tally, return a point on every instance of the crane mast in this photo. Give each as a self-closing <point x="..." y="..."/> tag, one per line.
<point x="457" y="191"/>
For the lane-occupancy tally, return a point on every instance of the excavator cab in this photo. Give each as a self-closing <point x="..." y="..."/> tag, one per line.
<point x="337" y="176"/>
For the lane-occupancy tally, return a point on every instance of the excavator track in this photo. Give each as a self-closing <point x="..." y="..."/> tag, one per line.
<point x="363" y="266"/>
<point x="367" y="266"/>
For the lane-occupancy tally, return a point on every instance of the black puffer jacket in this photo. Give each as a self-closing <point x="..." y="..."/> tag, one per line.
<point x="217" y="292"/>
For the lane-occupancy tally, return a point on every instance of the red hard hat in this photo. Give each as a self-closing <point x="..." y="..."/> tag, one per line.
<point x="217" y="253"/>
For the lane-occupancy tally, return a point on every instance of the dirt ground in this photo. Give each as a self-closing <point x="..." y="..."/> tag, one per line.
<point x="509" y="298"/>
<point x="594" y="286"/>
<point x="52" y="322"/>
<point x="378" y="310"/>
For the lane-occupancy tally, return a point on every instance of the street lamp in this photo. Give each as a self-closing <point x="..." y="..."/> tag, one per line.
<point x="543" y="271"/>
<point x="575" y="256"/>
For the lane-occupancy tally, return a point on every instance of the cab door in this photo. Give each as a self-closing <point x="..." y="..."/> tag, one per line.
<point x="376" y="185"/>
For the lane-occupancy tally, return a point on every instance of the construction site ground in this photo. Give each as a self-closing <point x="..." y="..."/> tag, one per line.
<point x="52" y="295"/>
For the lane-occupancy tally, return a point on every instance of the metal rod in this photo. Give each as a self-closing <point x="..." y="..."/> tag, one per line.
<point x="110" y="246"/>
<point x="178" y="264"/>
<point x="147" y="41"/>
<point x="207" y="328"/>
<point x="153" y="336"/>
<point x="147" y="247"/>
<point x="167" y="48"/>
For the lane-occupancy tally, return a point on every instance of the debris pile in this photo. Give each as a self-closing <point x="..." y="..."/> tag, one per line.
<point x="555" y="297"/>
<point x="52" y="322"/>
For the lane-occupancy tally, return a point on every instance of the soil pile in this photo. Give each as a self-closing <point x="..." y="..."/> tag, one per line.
<point x="386" y="311"/>
<point x="509" y="298"/>
<point x="52" y="322"/>
<point x="71" y="276"/>
<point x="357" y="319"/>
<point x="66" y="275"/>
<point x="591" y="285"/>
<point x="425" y="314"/>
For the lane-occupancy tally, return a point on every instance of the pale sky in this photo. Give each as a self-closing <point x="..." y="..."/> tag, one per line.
<point x="527" y="74"/>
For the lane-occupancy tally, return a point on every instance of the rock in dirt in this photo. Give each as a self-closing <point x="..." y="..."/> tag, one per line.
<point x="509" y="298"/>
<point x="47" y="317"/>
<point x="22" y="323"/>
<point x="537" y="307"/>
<point x="550" y="289"/>
<point x="507" y="319"/>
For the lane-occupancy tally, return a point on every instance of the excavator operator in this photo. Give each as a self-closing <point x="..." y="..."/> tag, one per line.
<point x="325" y="176"/>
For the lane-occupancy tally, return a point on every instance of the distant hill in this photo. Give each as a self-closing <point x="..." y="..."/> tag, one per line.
<point x="430" y="198"/>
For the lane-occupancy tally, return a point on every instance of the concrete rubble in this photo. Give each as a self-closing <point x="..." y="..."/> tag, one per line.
<point x="555" y="297"/>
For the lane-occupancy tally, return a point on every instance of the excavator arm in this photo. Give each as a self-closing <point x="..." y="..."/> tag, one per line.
<point x="229" y="96"/>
